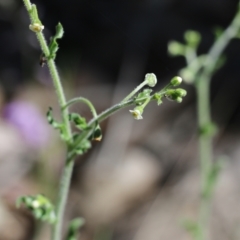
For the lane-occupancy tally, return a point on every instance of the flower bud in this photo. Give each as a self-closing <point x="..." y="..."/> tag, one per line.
<point x="176" y="81"/>
<point x="181" y="92"/>
<point x="192" y="38"/>
<point x="151" y="79"/>
<point x="178" y="99"/>
<point x="175" y="48"/>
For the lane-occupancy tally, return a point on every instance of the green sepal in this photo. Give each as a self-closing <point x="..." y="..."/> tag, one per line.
<point x="53" y="46"/>
<point x="158" y="97"/>
<point x="40" y="207"/>
<point x="73" y="228"/>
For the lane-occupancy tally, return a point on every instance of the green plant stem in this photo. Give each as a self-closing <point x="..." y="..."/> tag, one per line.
<point x="67" y="171"/>
<point x="28" y="6"/>
<point x="107" y="113"/>
<point x="139" y="87"/>
<point x="202" y="85"/>
<point x="82" y="99"/>
<point x="205" y="153"/>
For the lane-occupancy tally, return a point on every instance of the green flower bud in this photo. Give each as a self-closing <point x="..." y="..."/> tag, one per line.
<point x="36" y="27"/>
<point x="178" y="99"/>
<point x="181" y="92"/>
<point x="188" y="75"/>
<point x="192" y="38"/>
<point x="176" y="81"/>
<point x="175" y="48"/>
<point x="151" y="79"/>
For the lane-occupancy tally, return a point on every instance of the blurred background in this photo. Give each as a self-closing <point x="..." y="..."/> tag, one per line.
<point x="142" y="180"/>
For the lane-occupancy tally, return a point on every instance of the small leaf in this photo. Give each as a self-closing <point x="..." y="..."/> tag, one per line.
<point x="53" y="46"/>
<point x="192" y="227"/>
<point x="208" y="129"/>
<point x="59" y="31"/>
<point x="56" y="125"/>
<point x="73" y="228"/>
<point x="79" y="121"/>
<point x="83" y="148"/>
<point x="51" y="120"/>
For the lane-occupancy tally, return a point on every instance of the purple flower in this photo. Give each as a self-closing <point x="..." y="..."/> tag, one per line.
<point x="29" y="121"/>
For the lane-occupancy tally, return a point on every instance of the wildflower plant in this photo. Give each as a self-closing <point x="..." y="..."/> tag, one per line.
<point x="198" y="72"/>
<point x="79" y="142"/>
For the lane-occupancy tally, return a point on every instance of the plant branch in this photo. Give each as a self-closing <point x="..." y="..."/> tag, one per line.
<point x="202" y="85"/>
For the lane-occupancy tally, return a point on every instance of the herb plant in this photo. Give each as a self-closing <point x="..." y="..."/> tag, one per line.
<point x="79" y="142"/>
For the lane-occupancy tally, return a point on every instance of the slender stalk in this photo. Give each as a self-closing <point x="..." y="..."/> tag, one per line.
<point x="205" y="154"/>
<point x="202" y="86"/>
<point x="129" y="96"/>
<point x="82" y="99"/>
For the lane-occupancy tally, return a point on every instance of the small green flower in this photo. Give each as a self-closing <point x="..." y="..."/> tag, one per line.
<point x="137" y="113"/>
<point x="151" y="79"/>
<point x="36" y="27"/>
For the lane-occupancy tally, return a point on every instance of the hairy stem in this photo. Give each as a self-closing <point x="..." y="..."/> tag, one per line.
<point x="67" y="171"/>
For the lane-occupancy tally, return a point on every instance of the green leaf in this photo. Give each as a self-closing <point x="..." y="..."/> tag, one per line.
<point x="53" y="46"/>
<point x="56" y="125"/>
<point x="192" y="227"/>
<point x="51" y="120"/>
<point x="59" y="31"/>
<point x="79" y="121"/>
<point x="209" y="129"/>
<point x="212" y="177"/>
<point x="73" y="228"/>
<point x="83" y="148"/>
